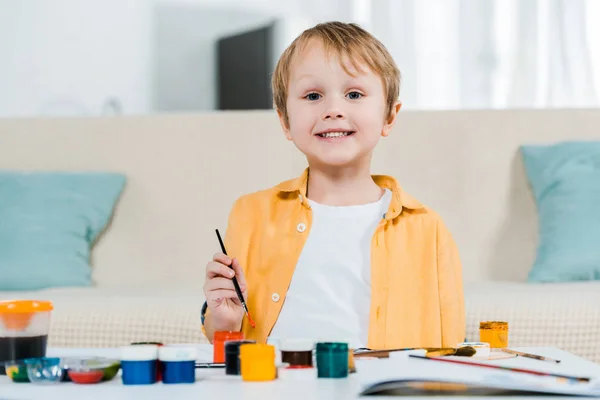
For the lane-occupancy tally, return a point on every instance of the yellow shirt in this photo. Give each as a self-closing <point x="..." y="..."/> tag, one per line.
<point x="417" y="292"/>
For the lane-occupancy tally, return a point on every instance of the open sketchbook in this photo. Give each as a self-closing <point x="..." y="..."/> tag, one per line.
<point x="413" y="377"/>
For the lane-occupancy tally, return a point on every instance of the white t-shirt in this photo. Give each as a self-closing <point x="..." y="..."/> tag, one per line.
<point x="329" y="297"/>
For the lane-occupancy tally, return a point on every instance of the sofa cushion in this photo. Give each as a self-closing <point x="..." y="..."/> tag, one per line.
<point x="563" y="315"/>
<point x="115" y="316"/>
<point x="565" y="179"/>
<point x="49" y="222"/>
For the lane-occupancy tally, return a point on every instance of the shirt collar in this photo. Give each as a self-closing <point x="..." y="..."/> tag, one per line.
<point x="400" y="199"/>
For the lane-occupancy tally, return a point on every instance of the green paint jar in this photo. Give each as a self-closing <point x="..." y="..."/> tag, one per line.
<point x="332" y="360"/>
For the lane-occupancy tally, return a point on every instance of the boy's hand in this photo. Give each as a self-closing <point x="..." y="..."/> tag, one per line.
<point x="226" y="311"/>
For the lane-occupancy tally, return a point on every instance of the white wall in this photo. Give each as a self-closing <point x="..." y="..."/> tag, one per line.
<point x="185" y="55"/>
<point x="69" y="56"/>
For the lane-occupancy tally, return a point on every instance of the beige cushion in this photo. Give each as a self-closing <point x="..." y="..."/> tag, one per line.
<point x="562" y="315"/>
<point x="108" y="317"/>
<point x="185" y="171"/>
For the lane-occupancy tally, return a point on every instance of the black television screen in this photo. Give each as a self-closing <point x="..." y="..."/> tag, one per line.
<point x="244" y="70"/>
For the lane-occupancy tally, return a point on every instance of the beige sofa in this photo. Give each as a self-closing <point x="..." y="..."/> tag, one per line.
<point x="184" y="172"/>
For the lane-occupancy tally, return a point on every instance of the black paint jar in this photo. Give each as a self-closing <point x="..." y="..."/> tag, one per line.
<point x="232" y="356"/>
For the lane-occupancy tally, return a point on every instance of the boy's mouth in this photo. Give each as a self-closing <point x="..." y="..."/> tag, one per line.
<point x="335" y="134"/>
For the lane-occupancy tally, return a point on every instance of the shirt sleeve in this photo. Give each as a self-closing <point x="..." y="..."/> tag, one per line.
<point x="451" y="292"/>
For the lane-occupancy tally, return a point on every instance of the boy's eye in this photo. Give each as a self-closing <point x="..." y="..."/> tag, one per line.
<point x="313" y="96"/>
<point x="354" y="95"/>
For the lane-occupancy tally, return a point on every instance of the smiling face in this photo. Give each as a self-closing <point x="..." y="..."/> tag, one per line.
<point x="335" y="117"/>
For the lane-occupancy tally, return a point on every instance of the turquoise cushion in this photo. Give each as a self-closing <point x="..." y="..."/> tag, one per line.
<point x="565" y="179"/>
<point x="49" y="222"/>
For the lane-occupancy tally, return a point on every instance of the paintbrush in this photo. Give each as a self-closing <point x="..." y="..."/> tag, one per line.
<point x="466" y="351"/>
<point x="502" y="367"/>
<point x="528" y="355"/>
<point x="236" y="285"/>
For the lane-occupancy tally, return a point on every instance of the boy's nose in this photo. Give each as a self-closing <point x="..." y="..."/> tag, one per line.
<point x="333" y="114"/>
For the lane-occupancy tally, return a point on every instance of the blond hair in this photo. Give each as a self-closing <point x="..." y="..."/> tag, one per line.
<point x="346" y="40"/>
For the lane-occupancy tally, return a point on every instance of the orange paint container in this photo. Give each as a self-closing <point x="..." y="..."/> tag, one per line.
<point x="219" y="343"/>
<point x="495" y="333"/>
<point x="257" y="362"/>
<point x="24" y="327"/>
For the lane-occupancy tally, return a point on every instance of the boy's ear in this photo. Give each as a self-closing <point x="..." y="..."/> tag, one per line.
<point x="391" y="119"/>
<point x="284" y="125"/>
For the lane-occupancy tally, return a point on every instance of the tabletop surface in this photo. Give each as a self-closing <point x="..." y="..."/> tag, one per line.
<point x="213" y="383"/>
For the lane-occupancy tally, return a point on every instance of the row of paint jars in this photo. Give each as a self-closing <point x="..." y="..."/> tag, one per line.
<point x="287" y="359"/>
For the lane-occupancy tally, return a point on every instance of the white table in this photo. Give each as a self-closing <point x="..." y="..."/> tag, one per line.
<point x="214" y="384"/>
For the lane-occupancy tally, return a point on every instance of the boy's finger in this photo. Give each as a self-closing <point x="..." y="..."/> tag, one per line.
<point x="216" y="269"/>
<point x="222" y="258"/>
<point x="239" y="274"/>
<point x="218" y="284"/>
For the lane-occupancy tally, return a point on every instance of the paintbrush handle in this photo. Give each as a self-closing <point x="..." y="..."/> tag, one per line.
<point x="528" y="355"/>
<point x="236" y="285"/>
<point x="512" y="369"/>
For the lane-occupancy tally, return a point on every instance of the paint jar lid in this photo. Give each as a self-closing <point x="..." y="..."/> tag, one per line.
<point x="494" y="325"/>
<point x="256" y="350"/>
<point x="233" y="346"/>
<point x="297" y="345"/>
<point x="332" y="347"/>
<point x="143" y="352"/>
<point x="228" y="335"/>
<point x="297" y="373"/>
<point x="177" y="353"/>
<point x="25" y="306"/>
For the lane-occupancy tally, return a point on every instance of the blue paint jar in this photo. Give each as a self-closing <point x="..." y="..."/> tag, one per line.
<point x="178" y="364"/>
<point x="138" y="363"/>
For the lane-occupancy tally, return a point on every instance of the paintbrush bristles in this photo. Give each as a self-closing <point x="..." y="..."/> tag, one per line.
<point x="466" y="351"/>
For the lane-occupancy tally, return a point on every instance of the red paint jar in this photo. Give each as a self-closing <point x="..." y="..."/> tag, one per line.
<point x="219" y="340"/>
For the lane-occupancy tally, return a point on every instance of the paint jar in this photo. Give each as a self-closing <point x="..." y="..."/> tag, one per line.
<point x="139" y="363"/>
<point x="17" y="371"/>
<point x="351" y="364"/>
<point x="24" y="328"/>
<point x="219" y="340"/>
<point x="108" y="366"/>
<point x="158" y="366"/>
<point x="332" y="359"/>
<point x="297" y="351"/>
<point x="232" y="356"/>
<point x="178" y="364"/>
<point x="495" y="333"/>
<point x="257" y="362"/>
<point x="44" y="370"/>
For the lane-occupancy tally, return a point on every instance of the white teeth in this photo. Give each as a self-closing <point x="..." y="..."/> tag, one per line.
<point x="334" y="134"/>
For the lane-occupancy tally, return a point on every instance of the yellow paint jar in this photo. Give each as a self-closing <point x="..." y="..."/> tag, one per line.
<point x="257" y="362"/>
<point x="351" y="364"/>
<point x="495" y="333"/>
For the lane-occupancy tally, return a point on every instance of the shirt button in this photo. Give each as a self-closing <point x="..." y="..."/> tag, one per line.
<point x="275" y="297"/>
<point x="301" y="227"/>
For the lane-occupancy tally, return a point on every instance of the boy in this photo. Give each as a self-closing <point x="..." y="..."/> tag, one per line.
<point x="337" y="253"/>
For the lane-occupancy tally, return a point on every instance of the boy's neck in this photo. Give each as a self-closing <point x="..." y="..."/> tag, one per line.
<point x="342" y="186"/>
